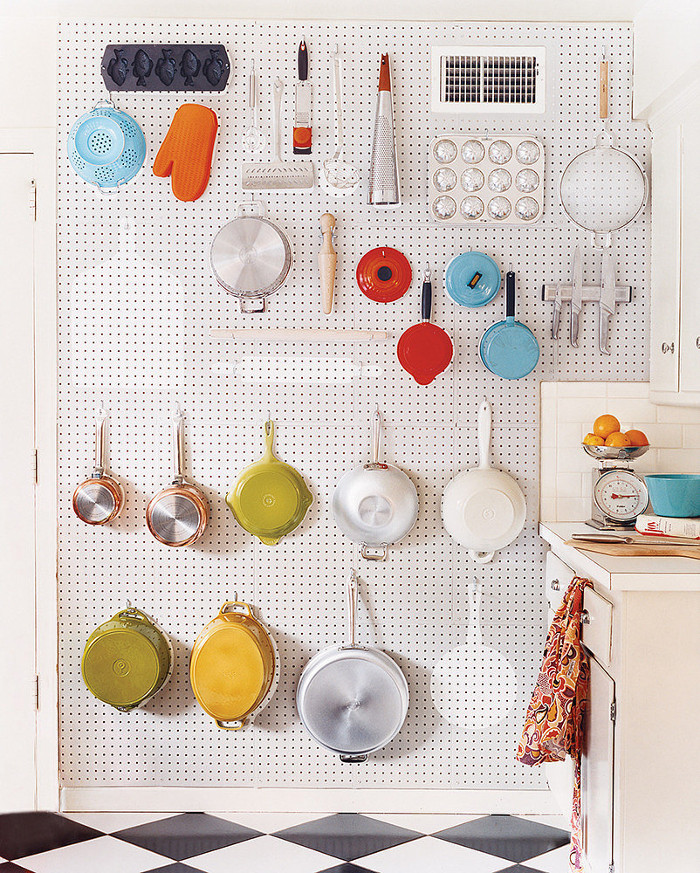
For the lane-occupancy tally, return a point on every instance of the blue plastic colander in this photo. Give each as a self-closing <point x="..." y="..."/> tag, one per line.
<point x="106" y="147"/>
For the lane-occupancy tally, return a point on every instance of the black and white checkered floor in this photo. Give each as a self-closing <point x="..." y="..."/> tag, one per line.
<point x="262" y="842"/>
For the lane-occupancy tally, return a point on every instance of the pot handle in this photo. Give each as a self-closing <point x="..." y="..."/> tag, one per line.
<point x="374" y="553"/>
<point x="353" y="759"/>
<point x="132" y="612"/>
<point x="236" y="606"/>
<point x="352" y="606"/>
<point x="481" y="557"/>
<point x="230" y="725"/>
<point x="484" y="434"/>
<point x="426" y="302"/>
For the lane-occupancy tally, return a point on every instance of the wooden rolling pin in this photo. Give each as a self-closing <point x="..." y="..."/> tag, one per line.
<point x="327" y="259"/>
<point x="623" y="550"/>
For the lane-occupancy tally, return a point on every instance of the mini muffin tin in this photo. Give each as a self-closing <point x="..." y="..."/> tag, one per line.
<point x="496" y="179"/>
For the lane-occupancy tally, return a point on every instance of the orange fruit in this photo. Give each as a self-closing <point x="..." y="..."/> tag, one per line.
<point x="637" y="437"/>
<point x="604" y="425"/>
<point x="592" y="440"/>
<point x="618" y="440"/>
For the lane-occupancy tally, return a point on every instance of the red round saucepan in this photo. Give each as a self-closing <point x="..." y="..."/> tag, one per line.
<point x="425" y="349"/>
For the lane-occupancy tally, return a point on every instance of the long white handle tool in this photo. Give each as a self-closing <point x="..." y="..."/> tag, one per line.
<point x="576" y="296"/>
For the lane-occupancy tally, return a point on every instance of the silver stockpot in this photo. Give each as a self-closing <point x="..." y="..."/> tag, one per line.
<point x="375" y="504"/>
<point x="352" y="699"/>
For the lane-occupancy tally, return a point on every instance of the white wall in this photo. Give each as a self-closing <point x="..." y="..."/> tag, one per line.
<point x="666" y="54"/>
<point x="30" y="102"/>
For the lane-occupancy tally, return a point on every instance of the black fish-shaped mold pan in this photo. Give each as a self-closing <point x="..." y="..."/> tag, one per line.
<point x="165" y="67"/>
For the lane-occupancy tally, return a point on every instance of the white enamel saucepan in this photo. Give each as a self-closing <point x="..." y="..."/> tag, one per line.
<point x="483" y="509"/>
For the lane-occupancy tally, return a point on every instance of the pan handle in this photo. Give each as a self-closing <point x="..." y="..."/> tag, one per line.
<point x="352" y="607"/>
<point x="178" y="446"/>
<point x="484" y="435"/>
<point x="510" y="294"/>
<point x="426" y="301"/>
<point x="376" y="435"/>
<point x="100" y="421"/>
<point x="353" y="759"/>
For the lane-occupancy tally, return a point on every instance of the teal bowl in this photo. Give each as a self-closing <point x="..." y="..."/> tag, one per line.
<point x="674" y="495"/>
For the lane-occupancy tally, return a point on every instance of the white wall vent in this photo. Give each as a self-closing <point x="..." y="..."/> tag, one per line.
<point x="475" y="80"/>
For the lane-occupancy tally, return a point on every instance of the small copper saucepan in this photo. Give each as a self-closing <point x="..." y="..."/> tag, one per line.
<point x="99" y="499"/>
<point x="177" y="515"/>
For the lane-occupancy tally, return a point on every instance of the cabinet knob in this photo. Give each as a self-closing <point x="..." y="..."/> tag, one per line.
<point x="554" y="585"/>
<point x="585" y="617"/>
<point x="697" y="342"/>
<point x="670" y="347"/>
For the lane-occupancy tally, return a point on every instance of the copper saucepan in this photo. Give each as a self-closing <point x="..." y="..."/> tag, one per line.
<point x="177" y="515"/>
<point x="99" y="499"/>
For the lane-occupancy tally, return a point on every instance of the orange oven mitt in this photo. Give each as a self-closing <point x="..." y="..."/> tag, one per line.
<point x="187" y="151"/>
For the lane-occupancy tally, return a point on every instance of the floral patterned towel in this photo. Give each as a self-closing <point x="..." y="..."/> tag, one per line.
<point x="554" y="721"/>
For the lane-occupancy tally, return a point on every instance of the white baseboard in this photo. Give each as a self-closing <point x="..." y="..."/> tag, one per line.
<point x="384" y="800"/>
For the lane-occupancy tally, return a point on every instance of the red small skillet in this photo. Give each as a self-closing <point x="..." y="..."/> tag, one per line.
<point x="425" y="350"/>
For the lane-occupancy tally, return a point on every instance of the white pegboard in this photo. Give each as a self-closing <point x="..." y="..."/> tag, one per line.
<point x="136" y="301"/>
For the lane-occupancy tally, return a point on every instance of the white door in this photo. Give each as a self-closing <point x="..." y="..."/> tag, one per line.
<point x="17" y="511"/>
<point x="597" y="765"/>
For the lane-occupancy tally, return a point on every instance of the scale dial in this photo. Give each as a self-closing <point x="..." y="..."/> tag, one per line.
<point x="620" y="495"/>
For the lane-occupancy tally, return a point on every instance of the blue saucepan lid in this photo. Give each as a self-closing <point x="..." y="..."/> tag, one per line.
<point x="472" y="279"/>
<point x="509" y="348"/>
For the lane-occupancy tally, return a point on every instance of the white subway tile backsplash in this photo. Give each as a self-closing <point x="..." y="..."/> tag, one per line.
<point x="573" y="508"/>
<point x="691" y="435"/>
<point x="680" y="414"/>
<point x="631" y="410"/>
<point x="628" y="390"/>
<point x="578" y="389"/>
<point x="580" y="408"/>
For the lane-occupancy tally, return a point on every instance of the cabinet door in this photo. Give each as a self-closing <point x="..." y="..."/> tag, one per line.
<point x="597" y="765"/>
<point x="665" y="257"/>
<point x="690" y="252"/>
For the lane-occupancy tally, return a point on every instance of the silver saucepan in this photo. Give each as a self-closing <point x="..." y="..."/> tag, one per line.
<point x="251" y="257"/>
<point x="375" y="504"/>
<point x="352" y="699"/>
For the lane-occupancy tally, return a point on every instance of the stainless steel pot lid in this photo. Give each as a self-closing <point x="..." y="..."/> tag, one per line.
<point x="250" y="256"/>
<point x="351" y="703"/>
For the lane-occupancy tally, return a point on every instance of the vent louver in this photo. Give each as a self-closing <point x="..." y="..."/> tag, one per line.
<point x="493" y="79"/>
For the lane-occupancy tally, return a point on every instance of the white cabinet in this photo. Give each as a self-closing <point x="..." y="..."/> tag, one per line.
<point x="638" y="769"/>
<point x="675" y="253"/>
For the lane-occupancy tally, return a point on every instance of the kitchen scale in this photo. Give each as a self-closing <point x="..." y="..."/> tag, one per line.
<point x="619" y="494"/>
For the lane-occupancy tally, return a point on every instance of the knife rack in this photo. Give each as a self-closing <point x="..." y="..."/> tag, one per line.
<point x="590" y="293"/>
